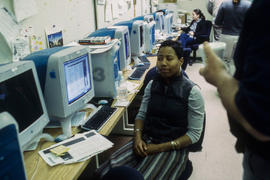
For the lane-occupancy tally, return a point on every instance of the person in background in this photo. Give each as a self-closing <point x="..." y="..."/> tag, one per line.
<point x="246" y="95"/>
<point x="170" y="120"/>
<point x="212" y="8"/>
<point x="230" y="18"/>
<point x="197" y="27"/>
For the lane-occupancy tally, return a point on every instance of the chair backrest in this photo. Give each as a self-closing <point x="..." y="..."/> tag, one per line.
<point x="203" y="37"/>
<point x="209" y="27"/>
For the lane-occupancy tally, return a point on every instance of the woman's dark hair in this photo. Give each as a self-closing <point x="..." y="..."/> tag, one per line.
<point x="199" y="12"/>
<point x="175" y="45"/>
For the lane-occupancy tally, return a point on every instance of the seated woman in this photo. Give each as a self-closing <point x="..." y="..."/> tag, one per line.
<point x="192" y="34"/>
<point x="170" y="119"/>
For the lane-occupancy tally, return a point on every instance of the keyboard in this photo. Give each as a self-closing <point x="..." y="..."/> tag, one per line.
<point x="99" y="119"/>
<point x="137" y="73"/>
<point x="144" y="59"/>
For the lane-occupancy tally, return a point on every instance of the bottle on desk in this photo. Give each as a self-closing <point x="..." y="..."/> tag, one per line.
<point x="122" y="91"/>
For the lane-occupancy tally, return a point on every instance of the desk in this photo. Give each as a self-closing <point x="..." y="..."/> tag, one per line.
<point x="36" y="167"/>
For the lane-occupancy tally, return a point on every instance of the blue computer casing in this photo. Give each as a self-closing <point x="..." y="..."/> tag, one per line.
<point x="11" y="157"/>
<point x="159" y="19"/>
<point x="148" y="32"/>
<point x="105" y="60"/>
<point x="137" y="44"/>
<point x="121" y="33"/>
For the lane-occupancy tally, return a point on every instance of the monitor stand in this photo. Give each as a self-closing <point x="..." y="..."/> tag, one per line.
<point x="34" y="143"/>
<point x="66" y="128"/>
<point x="137" y="61"/>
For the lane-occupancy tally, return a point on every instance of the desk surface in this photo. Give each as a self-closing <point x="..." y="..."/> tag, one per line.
<point x="36" y="167"/>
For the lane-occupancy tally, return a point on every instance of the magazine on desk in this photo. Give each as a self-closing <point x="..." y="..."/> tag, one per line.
<point x="76" y="149"/>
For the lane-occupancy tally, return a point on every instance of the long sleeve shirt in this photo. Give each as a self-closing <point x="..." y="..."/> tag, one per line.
<point x="195" y="111"/>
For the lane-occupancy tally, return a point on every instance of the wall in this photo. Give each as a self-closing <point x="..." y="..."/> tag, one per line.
<point x="75" y="17"/>
<point x="189" y="5"/>
<point x="130" y="11"/>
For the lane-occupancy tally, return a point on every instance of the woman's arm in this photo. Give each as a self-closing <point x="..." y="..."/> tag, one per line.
<point x="139" y="145"/>
<point x="176" y="144"/>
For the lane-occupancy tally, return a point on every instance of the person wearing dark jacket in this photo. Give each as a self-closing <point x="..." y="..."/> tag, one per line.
<point x="192" y="34"/>
<point x="245" y="95"/>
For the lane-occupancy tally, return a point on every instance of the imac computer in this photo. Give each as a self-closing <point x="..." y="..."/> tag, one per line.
<point x="65" y="75"/>
<point x="105" y="60"/>
<point x="148" y="18"/>
<point x="21" y="97"/>
<point x="136" y="30"/>
<point x="159" y="19"/>
<point x="168" y="21"/>
<point x="121" y="33"/>
<point x="149" y="32"/>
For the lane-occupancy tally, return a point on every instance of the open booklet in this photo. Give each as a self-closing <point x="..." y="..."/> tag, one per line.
<point x="78" y="148"/>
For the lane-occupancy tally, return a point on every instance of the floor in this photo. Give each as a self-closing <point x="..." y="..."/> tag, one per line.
<point x="218" y="160"/>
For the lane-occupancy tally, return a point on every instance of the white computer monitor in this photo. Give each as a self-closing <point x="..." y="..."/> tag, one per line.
<point x="66" y="79"/>
<point x="136" y="31"/>
<point x="168" y="20"/>
<point x="159" y="19"/>
<point x="149" y="36"/>
<point x="105" y="60"/>
<point x="148" y="18"/>
<point x="121" y="33"/>
<point x="21" y="96"/>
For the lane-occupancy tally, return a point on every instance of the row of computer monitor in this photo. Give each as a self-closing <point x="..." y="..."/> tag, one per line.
<point x="55" y="83"/>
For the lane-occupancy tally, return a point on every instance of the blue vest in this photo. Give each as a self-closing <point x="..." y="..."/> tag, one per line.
<point x="167" y="111"/>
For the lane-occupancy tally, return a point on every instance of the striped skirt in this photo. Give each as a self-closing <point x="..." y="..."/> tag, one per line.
<point x="164" y="165"/>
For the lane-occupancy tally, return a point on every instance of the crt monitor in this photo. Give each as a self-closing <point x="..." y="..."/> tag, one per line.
<point x="149" y="36"/>
<point x="66" y="80"/>
<point x="105" y="60"/>
<point x="168" y="21"/>
<point x="159" y="18"/>
<point x="148" y="32"/>
<point x="148" y="18"/>
<point x="121" y="33"/>
<point x="136" y="30"/>
<point x="21" y="97"/>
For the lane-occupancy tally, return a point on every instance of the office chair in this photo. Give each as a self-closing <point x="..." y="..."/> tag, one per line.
<point x="205" y="37"/>
<point x="217" y="46"/>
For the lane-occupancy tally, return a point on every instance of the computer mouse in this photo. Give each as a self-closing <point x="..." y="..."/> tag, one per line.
<point x="102" y="102"/>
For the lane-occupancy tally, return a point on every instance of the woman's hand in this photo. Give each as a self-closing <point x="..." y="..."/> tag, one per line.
<point x="191" y="33"/>
<point x="140" y="147"/>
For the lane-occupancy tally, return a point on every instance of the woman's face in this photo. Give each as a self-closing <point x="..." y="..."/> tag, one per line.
<point x="168" y="63"/>
<point x="195" y="16"/>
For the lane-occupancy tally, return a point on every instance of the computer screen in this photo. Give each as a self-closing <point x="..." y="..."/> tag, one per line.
<point x="149" y="36"/>
<point x="127" y="45"/>
<point x="136" y="37"/>
<point x="168" y="19"/>
<point x="21" y="96"/>
<point x="67" y="82"/>
<point x="77" y="77"/>
<point x="159" y="18"/>
<point x="141" y="36"/>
